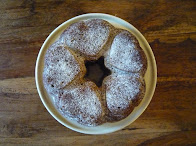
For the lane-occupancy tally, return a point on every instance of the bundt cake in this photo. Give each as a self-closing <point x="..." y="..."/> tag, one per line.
<point x="75" y="95"/>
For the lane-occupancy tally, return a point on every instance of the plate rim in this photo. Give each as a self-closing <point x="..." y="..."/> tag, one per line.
<point x="80" y="17"/>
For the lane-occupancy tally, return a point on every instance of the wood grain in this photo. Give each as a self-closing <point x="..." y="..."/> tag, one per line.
<point x="169" y="27"/>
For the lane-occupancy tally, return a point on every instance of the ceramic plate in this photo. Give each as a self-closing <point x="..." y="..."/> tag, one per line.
<point x="150" y="77"/>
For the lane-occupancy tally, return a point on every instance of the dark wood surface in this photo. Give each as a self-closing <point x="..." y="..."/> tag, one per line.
<point x="169" y="27"/>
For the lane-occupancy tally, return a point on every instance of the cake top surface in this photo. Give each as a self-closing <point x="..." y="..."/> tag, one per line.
<point x="125" y="53"/>
<point x="121" y="90"/>
<point x="87" y="37"/>
<point x="82" y="104"/>
<point x="60" y="67"/>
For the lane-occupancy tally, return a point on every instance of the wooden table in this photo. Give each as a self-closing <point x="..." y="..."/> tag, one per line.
<point x="169" y="27"/>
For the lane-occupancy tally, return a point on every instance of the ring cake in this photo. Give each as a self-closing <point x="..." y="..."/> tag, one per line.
<point x="78" y="97"/>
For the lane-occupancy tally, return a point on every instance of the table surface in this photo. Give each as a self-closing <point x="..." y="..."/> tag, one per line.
<point x="169" y="27"/>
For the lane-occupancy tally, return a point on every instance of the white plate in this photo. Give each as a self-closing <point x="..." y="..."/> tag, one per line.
<point x="150" y="77"/>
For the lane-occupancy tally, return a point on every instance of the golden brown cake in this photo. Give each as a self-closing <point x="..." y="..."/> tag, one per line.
<point x="66" y="78"/>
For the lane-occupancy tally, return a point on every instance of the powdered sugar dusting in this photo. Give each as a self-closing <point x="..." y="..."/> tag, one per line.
<point x="121" y="90"/>
<point x="116" y="71"/>
<point x="82" y="104"/>
<point x="60" y="67"/>
<point x="88" y="37"/>
<point x="125" y="53"/>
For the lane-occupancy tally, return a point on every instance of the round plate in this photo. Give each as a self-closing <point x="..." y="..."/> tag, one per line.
<point x="150" y="77"/>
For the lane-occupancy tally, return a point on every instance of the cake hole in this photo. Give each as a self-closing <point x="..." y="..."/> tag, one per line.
<point x="96" y="71"/>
